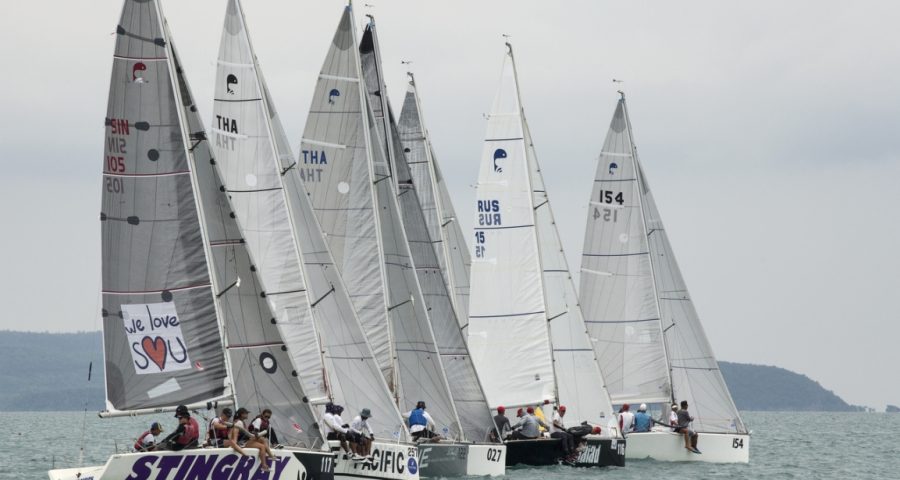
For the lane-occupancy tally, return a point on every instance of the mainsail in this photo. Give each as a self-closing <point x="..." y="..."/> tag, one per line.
<point x="467" y="395"/>
<point x="434" y="198"/>
<point x="283" y="236"/>
<point x="350" y="186"/>
<point x="578" y="377"/>
<point x="629" y="273"/>
<point x="508" y="332"/>
<point x="161" y="333"/>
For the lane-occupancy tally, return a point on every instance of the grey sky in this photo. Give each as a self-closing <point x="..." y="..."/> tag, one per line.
<point x="767" y="130"/>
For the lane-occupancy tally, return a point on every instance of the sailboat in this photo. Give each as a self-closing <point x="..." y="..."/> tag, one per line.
<point x="651" y="346"/>
<point x="444" y="230"/>
<point x="446" y="458"/>
<point x="179" y="324"/>
<point x="526" y="333"/>
<point x="293" y="262"/>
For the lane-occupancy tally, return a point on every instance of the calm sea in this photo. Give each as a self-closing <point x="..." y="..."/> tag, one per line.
<point x="784" y="446"/>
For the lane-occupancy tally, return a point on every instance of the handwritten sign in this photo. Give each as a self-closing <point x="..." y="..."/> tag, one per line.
<point x="154" y="338"/>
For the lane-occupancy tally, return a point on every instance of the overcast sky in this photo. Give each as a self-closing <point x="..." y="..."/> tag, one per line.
<point x="768" y="132"/>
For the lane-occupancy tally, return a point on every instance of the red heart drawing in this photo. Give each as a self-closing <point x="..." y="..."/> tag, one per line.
<point x="155" y="349"/>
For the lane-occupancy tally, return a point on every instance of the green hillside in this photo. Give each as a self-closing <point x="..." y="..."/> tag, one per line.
<point x="48" y="371"/>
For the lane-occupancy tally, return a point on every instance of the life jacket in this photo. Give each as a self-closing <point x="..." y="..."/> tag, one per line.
<point x="191" y="432"/>
<point x="138" y="446"/>
<point x="417" y="417"/>
<point x="263" y="424"/>
<point x="219" y="434"/>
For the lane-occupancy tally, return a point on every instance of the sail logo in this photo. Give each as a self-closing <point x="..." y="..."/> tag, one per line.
<point x="212" y="467"/>
<point x="612" y="168"/>
<point x="155" y="339"/>
<point x="387" y="461"/>
<point x="498" y="155"/>
<point x="333" y="94"/>
<point x="137" y="72"/>
<point x="230" y="80"/>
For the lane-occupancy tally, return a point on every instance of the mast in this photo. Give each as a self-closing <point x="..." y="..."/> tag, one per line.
<point x="638" y="172"/>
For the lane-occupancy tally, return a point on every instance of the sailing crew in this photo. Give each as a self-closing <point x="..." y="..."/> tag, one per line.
<point x="539" y="413"/>
<point x="187" y="434"/>
<point x="241" y="437"/>
<point x="260" y="425"/>
<point x="684" y="422"/>
<point x="361" y="436"/>
<point x="558" y="430"/>
<point x="146" y="442"/>
<point x="642" y="420"/>
<point x="220" y="429"/>
<point x="626" y="419"/>
<point x="421" y="425"/>
<point x="502" y="427"/>
<point x="528" y="426"/>
<point x="673" y="417"/>
<point x="334" y="428"/>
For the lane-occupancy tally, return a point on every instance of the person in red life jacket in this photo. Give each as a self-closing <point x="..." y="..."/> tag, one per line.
<point x="261" y="426"/>
<point x="241" y="437"/>
<point x="187" y="434"/>
<point x="219" y="429"/>
<point x="147" y="441"/>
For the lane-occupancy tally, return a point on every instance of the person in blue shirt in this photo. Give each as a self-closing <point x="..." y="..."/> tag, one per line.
<point x="642" y="420"/>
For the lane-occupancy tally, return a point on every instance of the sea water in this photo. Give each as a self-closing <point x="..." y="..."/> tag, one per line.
<point x="787" y="445"/>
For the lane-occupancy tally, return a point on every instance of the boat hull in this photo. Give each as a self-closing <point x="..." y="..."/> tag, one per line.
<point x="205" y="464"/>
<point x="669" y="447"/>
<point x="391" y="461"/>
<point x="447" y="459"/>
<point x="595" y="451"/>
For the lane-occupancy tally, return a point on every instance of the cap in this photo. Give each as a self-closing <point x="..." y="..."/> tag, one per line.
<point x="501" y="409"/>
<point x="366" y="413"/>
<point x="338" y="409"/>
<point x="595" y="430"/>
<point x="420" y="404"/>
<point x="156" y="426"/>
<point x="530" y="410"/>
<point x="562" y="408"/>
<point x="626" y="407"/>
<point x="674" y="407"/>
<point x="546" y="402"/>
<point x="520" y="412"/>
<point x="329" y="407"/>
<point x="643" y="407"/>
<point x="181" y="411"/>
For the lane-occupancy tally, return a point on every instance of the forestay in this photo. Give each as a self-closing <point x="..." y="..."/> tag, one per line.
<point x="434" y="198"/>
<point x="578" y="377"/>
<point x="161" y="336"/>
<point x="291" y="234"/>
<point x="464" y="388"/>
<point x="617" y="292"/>
<point x="508" y="333"/>
<point x="419" y="361"/>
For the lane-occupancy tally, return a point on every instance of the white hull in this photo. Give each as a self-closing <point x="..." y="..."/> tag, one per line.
<point x="447" y="459"/>
<point x="391" y="461"/>
<point x="669" y="447"/>
<point x="204" y="464"/>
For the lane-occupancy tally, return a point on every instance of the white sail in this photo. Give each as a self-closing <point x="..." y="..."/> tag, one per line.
<point x="650" y="340"/>
<point x="618" y="297"/>
<point x="578" y="377"/>
<point x="288" y="243"/>
<point x="160" y="328"/>
<point x="508" y="333"/>
<point x="471" y="408"/>
<point x="443" y="225"/>
<point x="352" y="194"/>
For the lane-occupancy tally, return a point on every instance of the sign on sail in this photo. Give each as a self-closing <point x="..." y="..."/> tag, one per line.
<point x="155" y="339"/>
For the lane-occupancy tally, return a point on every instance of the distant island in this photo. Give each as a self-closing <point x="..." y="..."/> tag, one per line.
<point x="892" y="409"/>
<point x="49" y="371"/>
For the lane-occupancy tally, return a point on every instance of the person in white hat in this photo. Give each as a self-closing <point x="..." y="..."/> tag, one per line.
<point x="361" y="436"/>
<point x="642" y="420"/>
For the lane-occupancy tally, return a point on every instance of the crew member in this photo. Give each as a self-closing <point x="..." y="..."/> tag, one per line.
<point x="527" y="427"/>
<point x="558" y="430"/>
<point x="187" y="434"/>
<point x="220" y="428"/>
<point x="147" y="441"/>
<point x="421" y="425"/>
<point x="502" y="427"/>
<point x="361" y="436"/>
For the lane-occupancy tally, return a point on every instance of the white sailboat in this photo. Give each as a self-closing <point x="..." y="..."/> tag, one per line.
<point x="648" y="337"/>
<point x="302" y="286"/>
<point x="434" y="198"/>
<point x="179" y="325"/>
<point x="526" y="333"/>
<point x="350" y="185"/>
<point x="470" y="453"/>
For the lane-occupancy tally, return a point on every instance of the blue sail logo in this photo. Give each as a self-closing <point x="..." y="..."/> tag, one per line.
<point x="333" y="93"/>
<point x="499" y="154"/>
<point x="612" y="168"/>
<point x="230" y="80"/>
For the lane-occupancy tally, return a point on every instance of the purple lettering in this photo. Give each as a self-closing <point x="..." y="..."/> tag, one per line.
<point x="279" y="464"/>
<point x="141" y="468"/>
<point x="202" y="467"/>
<point x="242" y="469"/>
<point x="223" y="468"/>
<point x="185" y="466"/>
<point x="166" y="465"/>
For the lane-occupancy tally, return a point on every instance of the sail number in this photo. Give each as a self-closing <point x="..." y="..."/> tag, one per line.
<point x="608" y="214"/>
<point x="494" y="454"/>
<point x="116" y="148"/>
<point x="607" y="196"/>
<point x="327" y="464"/>
<point x="479" y="244"/>
<point x="737" y="443"/>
